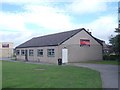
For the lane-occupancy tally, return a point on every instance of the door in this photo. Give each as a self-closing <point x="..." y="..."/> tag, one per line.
<point x="26" y="55"/>
<point x="64" y="55"/>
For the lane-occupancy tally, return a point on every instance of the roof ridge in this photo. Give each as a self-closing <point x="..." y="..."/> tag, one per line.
<point x="59" y="33"/>
<point x="50" y="39"/>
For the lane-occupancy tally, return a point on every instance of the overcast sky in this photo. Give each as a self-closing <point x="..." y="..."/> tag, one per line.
<point x="21" y="20"/>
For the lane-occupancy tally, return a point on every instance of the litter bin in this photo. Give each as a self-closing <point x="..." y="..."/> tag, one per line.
<point x="59" y="61"/>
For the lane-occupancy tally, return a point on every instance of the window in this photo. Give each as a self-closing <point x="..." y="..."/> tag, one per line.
<point x="17" y="52"/>
<point x="31" y="52"/>
<point x="40" y="52"/>
<point x="50" y="52"/>
<point x="22" y="52"/>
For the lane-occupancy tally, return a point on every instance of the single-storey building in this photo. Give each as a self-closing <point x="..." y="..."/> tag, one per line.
<point x="71" y="46"/>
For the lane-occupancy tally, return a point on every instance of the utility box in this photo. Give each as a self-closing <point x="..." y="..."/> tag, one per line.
<point x="59" y="61"/>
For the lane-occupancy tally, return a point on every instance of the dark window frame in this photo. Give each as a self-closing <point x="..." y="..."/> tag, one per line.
<point x="22" y="52"/>
<point x="17" y="52"/>
<point x="51" y="52"/>
<point x="31" y="52"/>
<point x="40" y="52"/>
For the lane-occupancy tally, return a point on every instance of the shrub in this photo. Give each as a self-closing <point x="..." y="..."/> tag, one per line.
<point x="111" y="57"/>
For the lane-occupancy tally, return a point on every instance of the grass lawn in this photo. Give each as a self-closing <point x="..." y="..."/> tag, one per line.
<point x="0" y="74"/>
<point x="23" y="75"/>
<point x="103" y="62"/>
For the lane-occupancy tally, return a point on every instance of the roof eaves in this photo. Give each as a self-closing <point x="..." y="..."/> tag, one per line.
<point x="36" y="46"/>
<point x="94" y="38"/>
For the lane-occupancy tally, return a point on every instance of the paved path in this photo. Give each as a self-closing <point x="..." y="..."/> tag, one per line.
<point x="7" y="59"/>
<point x="109" y="73"/>
<point x="10" y="59"/>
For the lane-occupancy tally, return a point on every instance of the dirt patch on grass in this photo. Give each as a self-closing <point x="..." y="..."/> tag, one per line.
<point x="41" y="69"/>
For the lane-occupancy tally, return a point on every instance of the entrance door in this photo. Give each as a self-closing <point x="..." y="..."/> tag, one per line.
<point x="26" y="55"/>
<point x="64" y="55"/>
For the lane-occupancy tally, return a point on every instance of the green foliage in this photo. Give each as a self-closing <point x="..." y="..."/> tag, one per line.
<point x="115" y="41"/>
<point x="117" y="30"/>
<point x="23" y="75"/>
<point x="111" y="57"/>
<point x="111" y="62"/>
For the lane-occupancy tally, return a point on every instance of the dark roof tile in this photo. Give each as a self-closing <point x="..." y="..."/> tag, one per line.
<point x="49" y="40"/>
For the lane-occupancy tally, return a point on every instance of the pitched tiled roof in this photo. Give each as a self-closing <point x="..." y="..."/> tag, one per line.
<point x="51" y="40"/>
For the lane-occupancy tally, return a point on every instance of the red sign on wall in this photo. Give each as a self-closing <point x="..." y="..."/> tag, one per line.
<point x="84" y="42"/>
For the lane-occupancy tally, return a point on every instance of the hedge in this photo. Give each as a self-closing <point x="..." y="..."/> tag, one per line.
<point x="111" y="57"/>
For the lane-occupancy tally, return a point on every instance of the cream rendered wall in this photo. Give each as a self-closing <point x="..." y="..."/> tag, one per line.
<point x="75" y="52"/>
<point x="85" y="53"/>
<point x="47" y="59"/>
<point x="7" y="51"/>
<point x="43" y="59"/>
<point x="0" y="49"/>
<point x="81" y="35"/>
<point x="20" y="57"/>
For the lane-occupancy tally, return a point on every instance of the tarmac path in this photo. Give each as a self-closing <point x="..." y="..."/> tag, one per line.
<point x="109" y="73"/>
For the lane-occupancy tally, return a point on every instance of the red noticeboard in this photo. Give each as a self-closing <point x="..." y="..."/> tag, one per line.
<point x="84" y="42"/>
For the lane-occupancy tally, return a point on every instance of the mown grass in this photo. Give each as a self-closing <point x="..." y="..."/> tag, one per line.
<point x="23" y="75"/>
<point x="0" y="74"/>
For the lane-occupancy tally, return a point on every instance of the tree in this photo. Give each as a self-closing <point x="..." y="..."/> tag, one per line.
<point x="117" y="30"/>
<point x="115" y="41"/>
